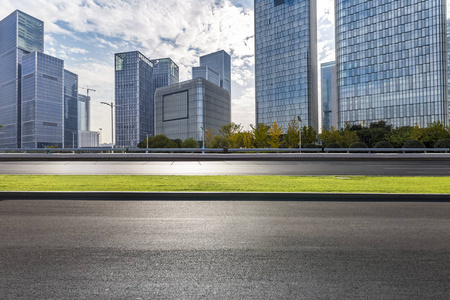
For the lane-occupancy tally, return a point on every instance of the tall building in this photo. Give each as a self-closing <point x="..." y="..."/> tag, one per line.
<point x="134" y="98"/>
<point x="84" y="112"/>
<point x="42" y="101"/>
<point x="70" y="109"/>
<point x="391" y="61"/>
<point x="448" y="64"/>
<point x="286" y="62"/>
<point x="220" y="62"/>
<point x="165" y="72"/>
<point x="20" y="34"/>
<point x="206" y="73"/>
<point x="329" y="95"/>
<point x="183" y="109"/>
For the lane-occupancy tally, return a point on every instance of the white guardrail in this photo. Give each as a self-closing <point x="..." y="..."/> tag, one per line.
<point x="225" y="150"/>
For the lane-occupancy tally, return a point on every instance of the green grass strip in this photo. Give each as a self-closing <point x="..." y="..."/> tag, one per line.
<point x="320" y="184"/>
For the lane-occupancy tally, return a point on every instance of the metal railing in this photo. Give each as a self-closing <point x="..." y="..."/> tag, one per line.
<point x="224" y="150"/>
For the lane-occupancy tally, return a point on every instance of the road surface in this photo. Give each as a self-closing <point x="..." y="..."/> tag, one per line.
<point x="305" y="168"/>
<point x="224" y="250"/>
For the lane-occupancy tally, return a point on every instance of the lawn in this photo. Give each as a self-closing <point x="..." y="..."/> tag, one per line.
<point x="315" y="184"/>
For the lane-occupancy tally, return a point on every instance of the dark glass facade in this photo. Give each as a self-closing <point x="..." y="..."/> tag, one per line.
<point x="134" y="98"/>
<point x="328" y="95"/>
<point x="220" y="62"/>
<point x="391" y="61"/>
<point x="448" y="63"/>
<point x="165" y="72"/>
<point x="20" y="34"/>
<point x="42" y="101"/>
<point x="181" y="110"/>
<point x="70" y="109"/>
<point x="286" y="62"/>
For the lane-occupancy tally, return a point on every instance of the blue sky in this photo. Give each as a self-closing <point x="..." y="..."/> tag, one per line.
<point x="87" y="33"/>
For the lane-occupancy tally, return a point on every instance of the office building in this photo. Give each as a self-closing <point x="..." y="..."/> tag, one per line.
<point x="286" y="62"/>
<point x="206" y="73"/>
<point x="89" y="139"/>
<point x="220" y="62"/>
<point x="134" y="98"/>
<point x="183" y="109"/>
<point x="70" y="109"/>
<point x="329" y="95"/>
<point x="448" y="64"/>
<point x="391" y="61"/>
<point x="42" y="101"/>
<point x="84" y="112"/>
<point x="165" y="72"/>
<point x="20" y="34"/>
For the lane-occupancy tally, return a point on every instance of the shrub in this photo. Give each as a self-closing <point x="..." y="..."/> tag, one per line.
<point x="312" y="146"/>
<point x="358" y="145"/>
<point x="333" y="145"/>
<point x="383" y="144"/>
<point x="442" y="143"/>
<point x="413" y="144"/>
<point x="189" y="143"/>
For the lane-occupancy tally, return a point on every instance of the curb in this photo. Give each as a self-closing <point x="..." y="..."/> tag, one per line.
<point x="218" y="196"/>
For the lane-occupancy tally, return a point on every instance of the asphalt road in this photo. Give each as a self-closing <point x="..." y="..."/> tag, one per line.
<point x="224" y="250"/>
<point x="345" y="167"/>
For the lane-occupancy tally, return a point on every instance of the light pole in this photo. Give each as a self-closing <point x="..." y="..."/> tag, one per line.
<point x="300" y="134"/>
<point x="147" y="141"/>
<point x="203" y="139"/>
<point x="112" y="105"/>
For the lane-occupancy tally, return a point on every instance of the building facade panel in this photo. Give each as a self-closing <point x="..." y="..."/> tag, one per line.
<point x="391" y="62"/>
<point x="206" y="73"/>
<point x="286" y="62"/>
<point x="165" y="72"/>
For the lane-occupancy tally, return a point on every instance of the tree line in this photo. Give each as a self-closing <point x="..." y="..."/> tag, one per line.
<point x="376" y="135"/>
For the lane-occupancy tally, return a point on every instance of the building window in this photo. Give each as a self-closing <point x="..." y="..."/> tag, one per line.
<point x="278" y="2"/>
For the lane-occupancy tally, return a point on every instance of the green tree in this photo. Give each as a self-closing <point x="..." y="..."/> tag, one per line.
<point x="275" y="133"/>
<point x="376" y="132"/>
<point x="158" y="141"/>
<point x="248" y="139"/>
<point x="219" y="141"/>
<point x="208" y="137"/>
<point x="399" y="136"/>
<point x="189" y="143"/>
<point x="291" y="138"/>
<point x="431" y="134"/>
<point x="330" y="136"/>
<point x="229" y="131"/>
<point x="261" y="135"/>
<point x="348" y="136"/>
<point x="309" y="135"/>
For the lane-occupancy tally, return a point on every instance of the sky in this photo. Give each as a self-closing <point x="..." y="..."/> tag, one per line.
<point x="87" y="33"/>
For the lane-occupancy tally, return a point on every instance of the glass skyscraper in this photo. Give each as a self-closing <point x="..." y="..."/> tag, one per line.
<point x="286" y="62"/>
<point x="165" y="72"/>
<point x="220" y="62"/>
<point x="42" y="101"/>
<point x="448" y="63"/>
<point x="134" y="98"/>
<point x="391" y="61"/>
<point x="20" y="34"/>
<point x="206" y="73"/>
<point x="84" y="113"/>
<point x="70" y="109"/>
<point x="328" y="95"/>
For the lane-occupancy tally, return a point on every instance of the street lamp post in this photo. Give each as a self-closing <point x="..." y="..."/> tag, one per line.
<point x="112" y="105"/>
<point x="300" y="134"/>
<point x="147" y="141"/>
<point x="203" y="139"/>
